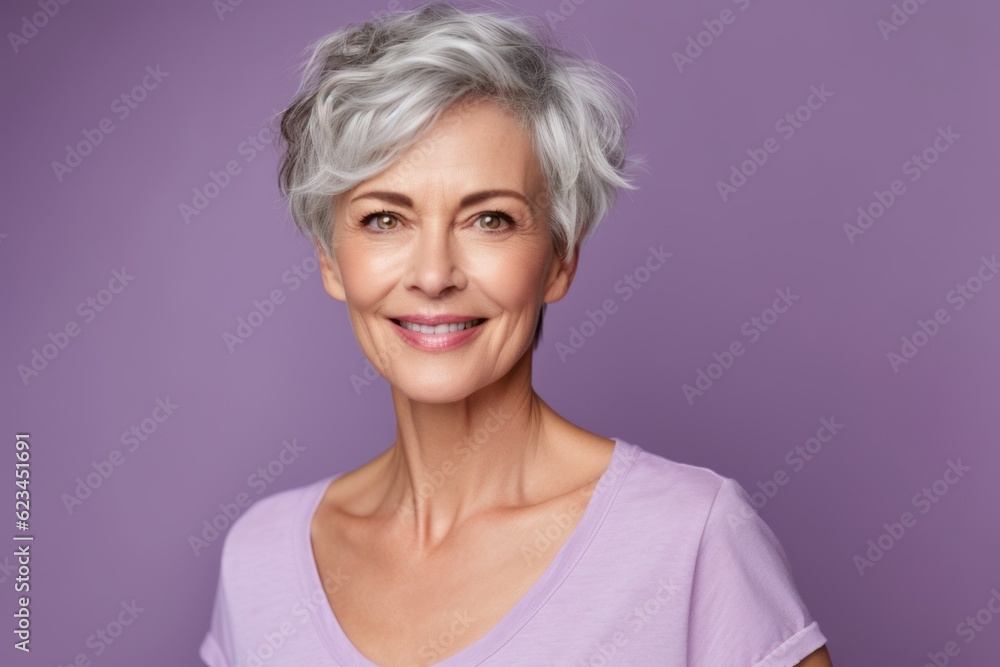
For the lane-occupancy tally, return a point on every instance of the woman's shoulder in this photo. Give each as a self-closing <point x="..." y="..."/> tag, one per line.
<point x="281" y="506"/>
<point x="672" y="483"/>
<point x="680" y="503"/>
<point x="677" y="499"/>
<point x="270" y="524"/>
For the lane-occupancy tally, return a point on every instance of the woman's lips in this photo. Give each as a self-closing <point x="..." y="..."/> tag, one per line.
<point x="437" y="341"/>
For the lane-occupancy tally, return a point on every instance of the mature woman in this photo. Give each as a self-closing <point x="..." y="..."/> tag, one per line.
<point x="448" y="165"/>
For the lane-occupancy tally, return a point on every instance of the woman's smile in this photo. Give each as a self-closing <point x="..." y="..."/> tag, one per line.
<point x="446" y="333"/>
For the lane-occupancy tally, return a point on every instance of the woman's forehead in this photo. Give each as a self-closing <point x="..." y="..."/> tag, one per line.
<point x="482" y="149"/>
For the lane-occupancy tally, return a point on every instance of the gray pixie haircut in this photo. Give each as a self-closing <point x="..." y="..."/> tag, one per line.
<point x="370" y="91"/>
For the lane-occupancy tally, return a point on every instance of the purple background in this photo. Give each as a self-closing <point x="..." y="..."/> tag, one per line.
<point x="162" y="336"/>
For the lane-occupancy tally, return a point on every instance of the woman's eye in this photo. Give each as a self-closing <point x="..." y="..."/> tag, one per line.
<point x="494" y="221"/>
<point x="383" y="221"/>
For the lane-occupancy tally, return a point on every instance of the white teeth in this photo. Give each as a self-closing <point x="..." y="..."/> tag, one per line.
<point x="440" y="328"/>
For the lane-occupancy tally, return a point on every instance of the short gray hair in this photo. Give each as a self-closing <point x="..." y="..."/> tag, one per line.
<point x="369" y="91"/>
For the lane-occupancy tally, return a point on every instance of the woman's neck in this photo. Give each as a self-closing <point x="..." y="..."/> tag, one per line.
<point x="453" y="461"/>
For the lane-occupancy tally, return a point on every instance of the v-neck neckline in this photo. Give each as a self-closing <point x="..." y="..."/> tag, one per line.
<point x="346" y="654"/>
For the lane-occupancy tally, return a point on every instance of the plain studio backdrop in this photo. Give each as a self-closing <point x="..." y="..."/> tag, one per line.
<point x="821" y="325"/>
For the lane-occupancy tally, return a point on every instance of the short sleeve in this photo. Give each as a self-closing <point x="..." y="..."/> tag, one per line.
<point x="216" y="648"/>
<point x="745" y="609"/>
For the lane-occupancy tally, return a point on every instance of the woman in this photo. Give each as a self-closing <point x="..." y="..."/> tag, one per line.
<point x="448" y="166"/>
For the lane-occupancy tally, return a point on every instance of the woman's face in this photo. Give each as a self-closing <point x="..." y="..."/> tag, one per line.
<point x="457" y="226"/>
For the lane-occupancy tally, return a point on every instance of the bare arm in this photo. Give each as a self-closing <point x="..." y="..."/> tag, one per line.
<point x="818" y="658"/>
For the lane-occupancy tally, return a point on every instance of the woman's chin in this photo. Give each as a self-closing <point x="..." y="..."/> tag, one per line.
<point x="425" y="392"/>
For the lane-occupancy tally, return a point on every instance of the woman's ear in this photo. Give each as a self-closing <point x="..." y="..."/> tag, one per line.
<point x="331" y="275"/>
<point x="561" y="275"/>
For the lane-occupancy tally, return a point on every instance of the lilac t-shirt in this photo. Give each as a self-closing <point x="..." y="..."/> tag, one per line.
<point x="669" y="565"/>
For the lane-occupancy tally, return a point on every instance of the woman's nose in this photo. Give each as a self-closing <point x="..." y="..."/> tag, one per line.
<point x="433" y="260"/>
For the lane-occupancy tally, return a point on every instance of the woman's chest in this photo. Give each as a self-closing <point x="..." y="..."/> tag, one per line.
<point x="398" y="609"/>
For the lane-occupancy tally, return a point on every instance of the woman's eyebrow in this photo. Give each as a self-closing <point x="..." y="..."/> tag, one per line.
<point x="400" y="199"/>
